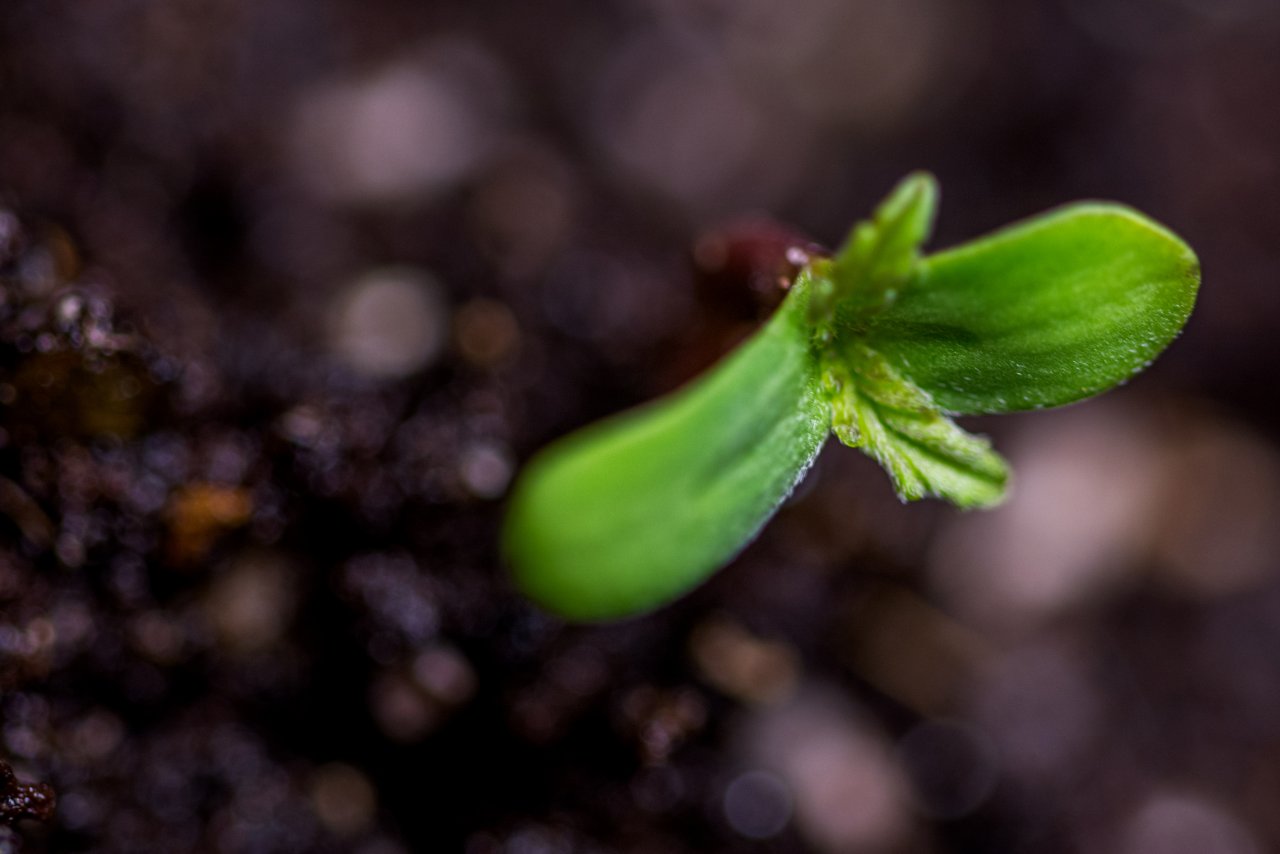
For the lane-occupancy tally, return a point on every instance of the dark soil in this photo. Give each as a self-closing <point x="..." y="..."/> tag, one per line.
<point x="251" y="595"/>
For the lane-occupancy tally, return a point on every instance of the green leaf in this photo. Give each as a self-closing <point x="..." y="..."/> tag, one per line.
<point x="925" y="453"/>
<point x="1043" y="313"/>
<point x="928" y="455"/>
<point x="874" y="407"/>
<point x="877" y="345"/>
<point x="879" y="255"/>
<point x="625" y="515"/>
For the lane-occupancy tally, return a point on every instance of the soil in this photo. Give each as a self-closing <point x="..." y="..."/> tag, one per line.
<point x="233" y="615"/>
<point x="265" y="378"/>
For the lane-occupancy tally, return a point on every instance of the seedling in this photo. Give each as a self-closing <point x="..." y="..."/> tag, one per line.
<point x="878" y="345"/>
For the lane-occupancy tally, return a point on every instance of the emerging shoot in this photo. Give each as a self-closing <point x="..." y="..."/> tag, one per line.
<point x="879" y="345"/>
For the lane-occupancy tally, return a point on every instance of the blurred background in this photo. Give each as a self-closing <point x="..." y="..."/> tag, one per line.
<point x="291" y="288"/>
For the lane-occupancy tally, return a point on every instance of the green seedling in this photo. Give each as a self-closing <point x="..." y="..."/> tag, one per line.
<point x="879" y="345"/>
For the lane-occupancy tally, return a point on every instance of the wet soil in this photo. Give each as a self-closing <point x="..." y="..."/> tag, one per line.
<point x="289" y="290"/>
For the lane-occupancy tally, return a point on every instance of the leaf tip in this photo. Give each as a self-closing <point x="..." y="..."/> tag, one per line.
<point x="920" y="186"/>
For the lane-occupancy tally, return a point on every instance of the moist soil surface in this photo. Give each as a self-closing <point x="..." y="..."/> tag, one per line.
<point x="290" y="290"/>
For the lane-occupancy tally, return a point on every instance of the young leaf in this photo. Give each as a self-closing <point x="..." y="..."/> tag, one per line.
<point x="928" y="455"/>
<point x="898" y="425"/>
<point x="879" y="255"/>
<point x="876" y="345"/>
<point x="1043" y="313"/>
<point x="873" y="406"/>
<point x="627" y="514"/>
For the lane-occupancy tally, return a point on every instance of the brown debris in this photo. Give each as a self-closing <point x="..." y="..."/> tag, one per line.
<point x="199" y="513"/>
<point x="762" y="255"/>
